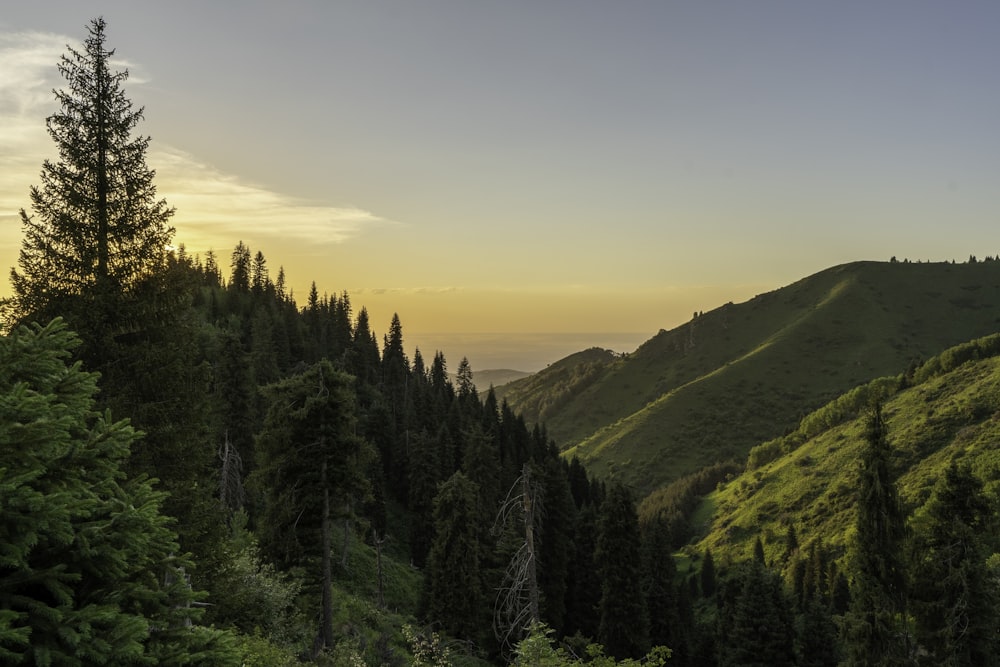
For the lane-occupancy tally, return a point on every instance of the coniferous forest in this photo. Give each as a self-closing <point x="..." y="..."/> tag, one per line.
<point x="195" y="469"/>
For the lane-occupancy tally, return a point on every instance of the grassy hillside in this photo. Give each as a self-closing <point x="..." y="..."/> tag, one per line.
<point x="811" y="481"/>
<point x="744" y="373"/>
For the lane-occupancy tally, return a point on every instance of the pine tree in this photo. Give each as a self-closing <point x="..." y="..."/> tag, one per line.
<point x="395" y="388"/>
<point x="310" y="469"/>
<point x="583" y="594"/>
<point x="817" y="643"/>
<point x="956" y="605"/>
<point x="624" y="625"/>
<point x="95" y="252"/>
<point x="555" y="542"/>
<point x="240" y="267"/>
<point x="91" y="572"/>
<point x="876" y="635"/>
<point x="661" y="595"/>
<point x="757" y="625"/>
<point x="98" y="230"/>
<point x="454" y="585"/>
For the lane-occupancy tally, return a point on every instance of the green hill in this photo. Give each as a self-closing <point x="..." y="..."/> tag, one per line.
<point x="808" y="478"/>
<point x="744" y="373"/>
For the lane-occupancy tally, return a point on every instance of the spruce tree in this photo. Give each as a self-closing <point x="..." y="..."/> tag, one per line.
<point x="454" y="585"/>
<point x="659" y="572"/>
<point x="555" y="542"/>
<point x="624" y="625"/>
<point x="91" y="569"/>
<point x="98" y="229"/>
<point x="757" y="624"/>
<point x="310" y="469"/>
<point x="95" y="252"/>
<point x="956" y="596"/>
<point x="876" y="634"/>
<point x="583" y="594"/>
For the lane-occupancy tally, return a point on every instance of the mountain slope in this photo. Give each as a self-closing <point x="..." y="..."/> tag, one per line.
<point x="744" y="373"/>
<point x="952" y="412"/>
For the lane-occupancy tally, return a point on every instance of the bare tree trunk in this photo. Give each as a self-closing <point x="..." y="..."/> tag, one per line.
<point x="347" y="537"/>
<point x="378" y="568"/>
<point x="327" y="629"/>
<point x="529" y="539"/>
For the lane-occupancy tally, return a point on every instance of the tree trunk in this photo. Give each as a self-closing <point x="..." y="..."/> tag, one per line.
<point x="529" y="538"/>
<point x="327" y="629"/>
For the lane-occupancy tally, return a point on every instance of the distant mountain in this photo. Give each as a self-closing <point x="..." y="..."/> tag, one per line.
<point x="947" y="410"/>
<point x="745" y="373"/>
<point x="496" y="377"/>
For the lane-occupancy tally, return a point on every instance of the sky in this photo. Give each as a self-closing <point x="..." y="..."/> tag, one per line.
<point x="510" y="169"/>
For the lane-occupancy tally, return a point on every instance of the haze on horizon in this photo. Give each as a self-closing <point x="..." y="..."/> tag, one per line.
<point x="559" y="168"/>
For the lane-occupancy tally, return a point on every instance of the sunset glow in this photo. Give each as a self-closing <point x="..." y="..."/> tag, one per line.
<point x="519" y="168"/>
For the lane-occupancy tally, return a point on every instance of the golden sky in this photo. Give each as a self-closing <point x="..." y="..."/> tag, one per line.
<point x="541" y="167"/>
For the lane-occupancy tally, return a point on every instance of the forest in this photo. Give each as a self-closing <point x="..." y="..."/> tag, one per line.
<point x="197" y="470"/>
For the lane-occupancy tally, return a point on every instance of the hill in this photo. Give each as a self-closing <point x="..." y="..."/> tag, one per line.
<point x="741" y="374"/>
<point x="496" y="377"/>
<point x="808" y="479"/>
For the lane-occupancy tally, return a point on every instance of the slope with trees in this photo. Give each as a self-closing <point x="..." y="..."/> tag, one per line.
<point x="710" y="389"/>
<point x="336" y="492"/>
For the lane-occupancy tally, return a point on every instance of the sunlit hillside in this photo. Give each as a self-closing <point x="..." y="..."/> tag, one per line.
<point x="808" y="479"/>
<point x="733" y="377"/>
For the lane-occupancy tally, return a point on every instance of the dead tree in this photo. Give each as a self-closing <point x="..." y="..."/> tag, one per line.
<point x="516" y="606"/>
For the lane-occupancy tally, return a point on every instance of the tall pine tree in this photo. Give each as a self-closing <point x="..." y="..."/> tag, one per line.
<point x="956" y="596"/>
<point x="98" y="229"/>
<point x="624" y="625"/>
<point x="876" y="633"/>
<point x="310" y="469"/>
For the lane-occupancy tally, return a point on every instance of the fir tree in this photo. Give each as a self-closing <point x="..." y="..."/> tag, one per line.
<point x="310" y="468"/>
<point x="98" y="230"/>
<point x="555" y="542"/>
<point x="95" y="252"/>
<point x="659" y="572"/>
<point x="876" y="635"/>
<point x="454" y="585"/>
<point x="757" y="629"/>
<point x="624" y="625"/>
<point x="583" y="594"/>
<point x="956" y="596"/>
<point x="91" y="572"/>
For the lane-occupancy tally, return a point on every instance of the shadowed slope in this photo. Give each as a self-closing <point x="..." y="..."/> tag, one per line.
<point x="744" y="373"/>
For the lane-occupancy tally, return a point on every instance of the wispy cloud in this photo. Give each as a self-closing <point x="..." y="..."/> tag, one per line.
<point x="28" y="75"/>
<point x="211" y="203"/>
<point x="379" y="291"/>
<point x="213" y="208"/>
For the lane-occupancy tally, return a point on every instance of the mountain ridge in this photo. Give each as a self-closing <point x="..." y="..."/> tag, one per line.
<point x="741" y="374"/>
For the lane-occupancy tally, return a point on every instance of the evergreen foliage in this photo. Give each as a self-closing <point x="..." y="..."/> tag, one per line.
<point x="454" y="588"/>
<point x="98" y="229"/>
<point x="94" y="252"/>
<point x="624" y="624"/>
<point x="92" y="572"/>
<point x="756" y="620"/>
<point x="956" y="599"/>
<point x="310" y="468"/>
<point x="875" y="626"/>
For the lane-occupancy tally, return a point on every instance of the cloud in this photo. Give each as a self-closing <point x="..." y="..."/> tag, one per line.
<point x="379" y="291"/>
<point x="213" y="208"/>
<point x="28" y="75"/>
<point x="213" y="204"/>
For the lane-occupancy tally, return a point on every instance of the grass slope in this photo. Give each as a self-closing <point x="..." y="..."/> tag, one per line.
<point x="811" y="484"/>
<point x="744" y="373"/>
